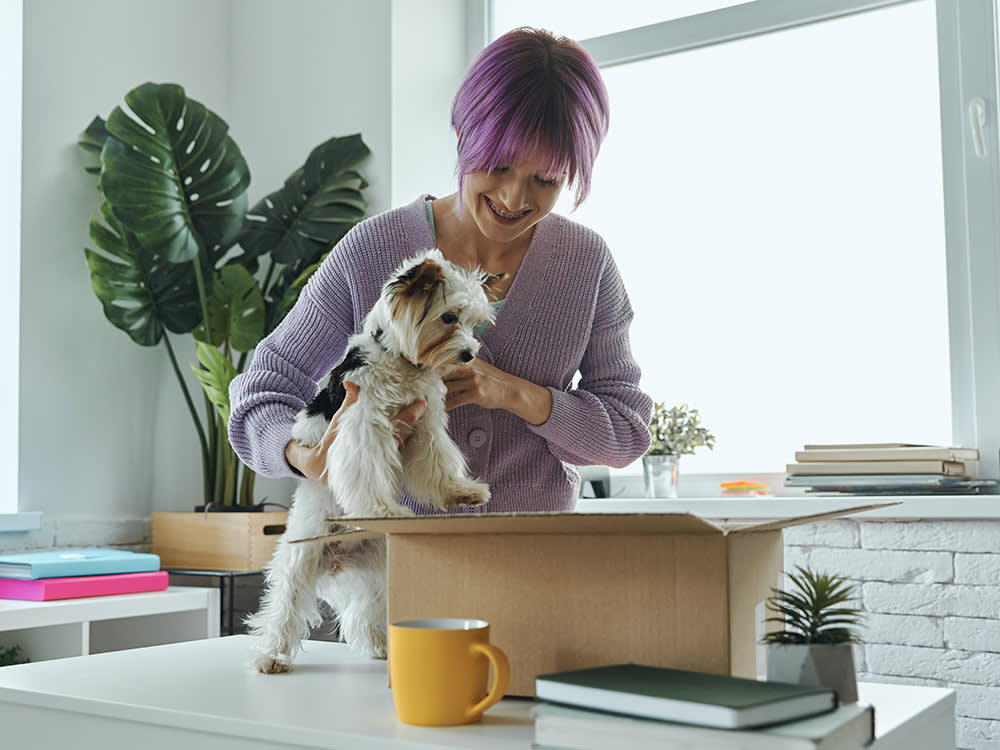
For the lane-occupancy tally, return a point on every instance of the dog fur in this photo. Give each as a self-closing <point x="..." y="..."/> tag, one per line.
<point x="421" y="327"/>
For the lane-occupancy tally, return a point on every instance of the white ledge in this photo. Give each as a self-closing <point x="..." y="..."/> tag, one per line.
<point x="909" y="508"/>
<point x="30" y="521"/>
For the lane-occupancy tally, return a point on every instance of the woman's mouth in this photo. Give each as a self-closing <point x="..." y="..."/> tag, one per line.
<point x="505" y="217"/>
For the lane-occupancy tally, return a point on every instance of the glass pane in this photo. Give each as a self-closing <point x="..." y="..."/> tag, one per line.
<point x="582" y="19"/>
<point x="775" y="206"/>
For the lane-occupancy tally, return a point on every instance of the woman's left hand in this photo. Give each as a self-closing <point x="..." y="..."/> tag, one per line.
<point x="491" y="388"/>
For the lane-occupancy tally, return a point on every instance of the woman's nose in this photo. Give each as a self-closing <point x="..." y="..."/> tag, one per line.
<point x="512" y="193"/>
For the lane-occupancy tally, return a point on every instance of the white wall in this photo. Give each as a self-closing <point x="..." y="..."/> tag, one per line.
<point x="105" y="436"/>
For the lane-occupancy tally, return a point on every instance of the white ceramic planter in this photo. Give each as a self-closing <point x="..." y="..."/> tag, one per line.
<point x="822" y="665"/>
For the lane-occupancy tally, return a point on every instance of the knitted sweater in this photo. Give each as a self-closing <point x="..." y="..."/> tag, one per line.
<point x="567" y="311"/>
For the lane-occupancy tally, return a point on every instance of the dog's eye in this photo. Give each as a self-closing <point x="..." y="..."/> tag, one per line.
<point x="448" y="318"/>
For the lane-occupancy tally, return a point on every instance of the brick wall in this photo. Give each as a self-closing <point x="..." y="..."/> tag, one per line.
<point x="930" y="591"/>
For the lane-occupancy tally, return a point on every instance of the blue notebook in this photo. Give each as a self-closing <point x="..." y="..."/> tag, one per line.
<point x="76" y="562"/>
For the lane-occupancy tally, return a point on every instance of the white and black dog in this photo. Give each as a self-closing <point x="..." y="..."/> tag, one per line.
<point x="421" y="328"/>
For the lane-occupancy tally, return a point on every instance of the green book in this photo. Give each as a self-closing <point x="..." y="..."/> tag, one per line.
<point x="681" y="696"/>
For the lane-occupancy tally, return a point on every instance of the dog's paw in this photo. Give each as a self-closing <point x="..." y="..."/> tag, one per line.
<point x="271" y="664"/>
<point x="372" y="644"/>
<point x="469" y="495"/>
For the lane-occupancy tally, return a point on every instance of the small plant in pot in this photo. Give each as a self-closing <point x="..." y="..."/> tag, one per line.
<point x="816" y="645"/>
<point x="674" y="431"/>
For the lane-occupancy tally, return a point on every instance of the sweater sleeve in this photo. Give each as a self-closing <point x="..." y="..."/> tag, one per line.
<point x="286" y="367"/>
<point x="605" y="418"/>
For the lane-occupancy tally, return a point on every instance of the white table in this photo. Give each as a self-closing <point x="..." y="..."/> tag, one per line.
<point x="94" y="624"/>
<point x="203" y="694"/>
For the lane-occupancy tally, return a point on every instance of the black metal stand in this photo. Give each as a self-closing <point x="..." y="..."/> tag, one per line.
<point x="226" y="624"/>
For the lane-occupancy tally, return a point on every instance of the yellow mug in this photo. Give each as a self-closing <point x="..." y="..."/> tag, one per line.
<point x="439" y="669"/>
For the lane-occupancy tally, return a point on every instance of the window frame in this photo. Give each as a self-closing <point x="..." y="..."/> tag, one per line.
<point x="967" y="75"/>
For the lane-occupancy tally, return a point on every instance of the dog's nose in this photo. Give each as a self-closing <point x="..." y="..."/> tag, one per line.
<point x="466" y="356"/>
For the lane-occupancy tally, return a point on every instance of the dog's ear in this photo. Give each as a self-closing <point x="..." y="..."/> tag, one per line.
<point x="418" y="281"/>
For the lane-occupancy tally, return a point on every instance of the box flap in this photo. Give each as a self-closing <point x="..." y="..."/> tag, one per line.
<point x="784" y="523"/>
<point x="527" y="523"/>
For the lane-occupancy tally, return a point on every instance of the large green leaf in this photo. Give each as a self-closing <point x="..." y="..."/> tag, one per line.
<point x="235" y="310"/>
<point x="319" y="203"/>
<point x="172" y="174"/>
<point x="141" y="292"/>
<point x="91" y="142"/>
<point x="215" y="372"/>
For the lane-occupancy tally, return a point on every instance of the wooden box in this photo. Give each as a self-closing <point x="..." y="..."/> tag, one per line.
<point x="216" y="541"/>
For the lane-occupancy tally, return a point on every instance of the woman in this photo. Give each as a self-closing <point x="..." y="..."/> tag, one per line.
<point x="530" y="118"/>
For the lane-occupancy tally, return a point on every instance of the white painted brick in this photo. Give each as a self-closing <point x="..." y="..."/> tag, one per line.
<point x="904" y="630"/>
<point x="935" y="599"/>
<point x="796" y="557"/>
<point x="90" y="533"/>
<point x="977" y="701"/>
<point x="973" y="634"/>
<point x="935" y="663"/>
<point x="977" y="734"/>
<point x="978" y="569"/>
<point x="885" y="565"/>
<point x="29" y="541"/>
<point x="947" y="536"/>
<point x="837" y="533"/>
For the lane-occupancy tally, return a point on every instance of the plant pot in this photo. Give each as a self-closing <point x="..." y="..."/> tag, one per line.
<point x="660" y="474"/>
<point x="828" y="665"/>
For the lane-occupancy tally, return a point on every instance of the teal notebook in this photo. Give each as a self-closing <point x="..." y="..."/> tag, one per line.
<point x="682" y="696"/>
<point x="76" y="562"/>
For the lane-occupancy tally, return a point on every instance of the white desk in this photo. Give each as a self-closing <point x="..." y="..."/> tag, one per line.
<point x="94" y="624"/>
<point x="202" y="694"/>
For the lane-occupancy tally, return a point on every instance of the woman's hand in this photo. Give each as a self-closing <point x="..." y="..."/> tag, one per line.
<point x="491" y="388"/>
<point x="311" y="461"/>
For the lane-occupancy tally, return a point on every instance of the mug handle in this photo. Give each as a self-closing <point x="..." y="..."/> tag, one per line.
<point x="501" y="677"/>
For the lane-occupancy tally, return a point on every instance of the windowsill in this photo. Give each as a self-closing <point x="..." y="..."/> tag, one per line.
<point x="906" y="508"/>
<point x="30" y="521"/>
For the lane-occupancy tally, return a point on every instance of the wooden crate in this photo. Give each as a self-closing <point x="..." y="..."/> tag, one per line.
<point x="216" y="541"/>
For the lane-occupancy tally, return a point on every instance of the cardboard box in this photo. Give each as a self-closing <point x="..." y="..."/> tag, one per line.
<point x="572" y="590"/>
<point x="216" y="541"/>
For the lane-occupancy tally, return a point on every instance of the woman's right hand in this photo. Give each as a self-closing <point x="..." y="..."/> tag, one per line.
<point x="310" y="461"/>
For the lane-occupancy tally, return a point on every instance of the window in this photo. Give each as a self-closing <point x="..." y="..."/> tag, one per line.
<point x="787" y="250"/>
<point x="10" y="219"/>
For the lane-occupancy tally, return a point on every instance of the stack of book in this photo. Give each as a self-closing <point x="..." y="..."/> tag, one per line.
<point x="886" y="468"/>
<point x="76" y="573"/>
<point x="637" y="706"/>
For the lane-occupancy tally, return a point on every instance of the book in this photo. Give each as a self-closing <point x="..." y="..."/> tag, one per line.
<point x="946" y="468"/>
<point x="76" y="587"/>
<point x="887" y="453"/>
<point x="683" y="696"/>
<point x="850" y="726"/>
<point x="76" y="562"/>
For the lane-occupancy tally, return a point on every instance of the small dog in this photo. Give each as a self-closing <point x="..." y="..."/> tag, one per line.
<point x="421" y="327"/>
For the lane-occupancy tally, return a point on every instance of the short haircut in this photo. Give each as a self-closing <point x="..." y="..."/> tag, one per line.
<point x="532" y="95"/>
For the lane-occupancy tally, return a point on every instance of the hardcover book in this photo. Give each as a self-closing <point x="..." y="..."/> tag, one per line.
<point x="888" y="453"/>
<point x="682" y="696"/>
<point x="76" y="562"/>
<point x="946" y="468"/>
<point x="76" y="587"/>
<point x="850" y="727"/>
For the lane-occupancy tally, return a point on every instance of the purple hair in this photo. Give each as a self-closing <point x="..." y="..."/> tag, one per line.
<point x="532" y="95"/>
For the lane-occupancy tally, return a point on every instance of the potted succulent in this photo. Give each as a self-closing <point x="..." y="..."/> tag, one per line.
<point x="674" y="431"/>
<point x="176" y="252"/>
<point x="815" y="646"/>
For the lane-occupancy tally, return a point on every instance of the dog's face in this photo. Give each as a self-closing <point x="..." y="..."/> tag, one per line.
<point x="432" y="308"/>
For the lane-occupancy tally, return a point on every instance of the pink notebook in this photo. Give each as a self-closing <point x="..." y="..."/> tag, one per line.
<point x="45" y="589"/>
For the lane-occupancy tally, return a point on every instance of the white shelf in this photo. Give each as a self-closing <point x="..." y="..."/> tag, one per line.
<point x="936" y="507"/>
<point x="96" y="624"/>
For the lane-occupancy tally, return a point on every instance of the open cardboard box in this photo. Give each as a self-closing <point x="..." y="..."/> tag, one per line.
<point x="572" y="590"/>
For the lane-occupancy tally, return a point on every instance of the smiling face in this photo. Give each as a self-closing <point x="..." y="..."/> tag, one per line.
<point x="507" y="202"/>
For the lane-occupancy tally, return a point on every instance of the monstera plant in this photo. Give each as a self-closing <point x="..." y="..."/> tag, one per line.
<point x="177" y="252"/>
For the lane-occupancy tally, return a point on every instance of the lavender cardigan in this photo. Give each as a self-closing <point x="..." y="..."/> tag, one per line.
<point x="567" y="311"/>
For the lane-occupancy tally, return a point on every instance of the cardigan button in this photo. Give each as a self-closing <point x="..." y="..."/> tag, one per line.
<point x="477" y="438"/>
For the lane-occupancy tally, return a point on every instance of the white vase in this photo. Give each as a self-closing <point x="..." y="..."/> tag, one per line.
<point x="828" y="665"/>
<point x="660" y="474"/>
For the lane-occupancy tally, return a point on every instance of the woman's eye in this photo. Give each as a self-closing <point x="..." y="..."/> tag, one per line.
<point x="449" y="318"/>
<point x="499" y="170"/>
<point x="547" y="182"/>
